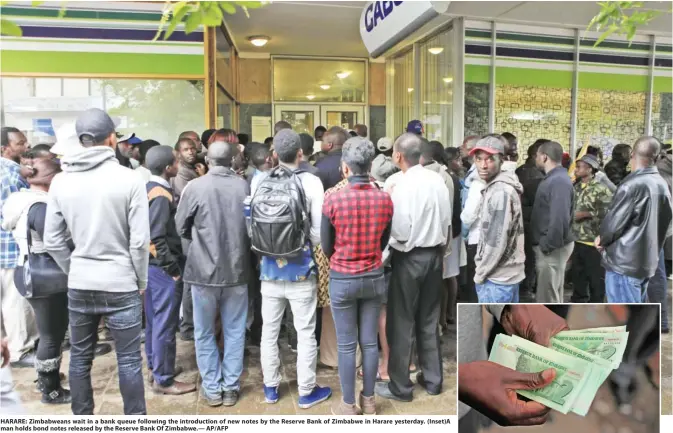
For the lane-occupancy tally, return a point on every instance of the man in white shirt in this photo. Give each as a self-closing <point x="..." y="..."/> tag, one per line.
<point x="420" y="231"/>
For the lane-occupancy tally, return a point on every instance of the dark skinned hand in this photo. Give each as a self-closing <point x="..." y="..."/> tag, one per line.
<point x="491" y="388"/>
<point x="535" y="323"/>
<point x="5" y="352"/>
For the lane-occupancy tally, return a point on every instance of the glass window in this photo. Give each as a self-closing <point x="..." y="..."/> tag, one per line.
<point x="662" y="116"/>
<point x="476" y="109"/>
<point x="148" y="108"/>
<point x="298" y="80"/>
<point x="402" y="81"/>
<point x="609" y="117"/>
<point x="225" y="110"/>
<point x="76" y="87"/>
<point x="532" y="112"/>
<point x="48" y="87"/>
<point x="437" y="87"/>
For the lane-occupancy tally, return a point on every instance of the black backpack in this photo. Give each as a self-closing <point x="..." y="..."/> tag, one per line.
<point x="279" y="220"/>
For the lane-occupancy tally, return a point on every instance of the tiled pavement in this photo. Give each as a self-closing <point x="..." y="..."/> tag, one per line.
<point x="109" y="402"/>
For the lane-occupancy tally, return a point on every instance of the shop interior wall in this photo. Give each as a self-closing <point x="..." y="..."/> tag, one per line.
<point x="255" y="94"/>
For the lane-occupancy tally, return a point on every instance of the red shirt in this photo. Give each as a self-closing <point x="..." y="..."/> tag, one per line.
<point x="360" y="213"/>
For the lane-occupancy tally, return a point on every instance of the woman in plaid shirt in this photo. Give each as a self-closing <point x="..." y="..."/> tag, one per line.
<point x="354" y="231"/>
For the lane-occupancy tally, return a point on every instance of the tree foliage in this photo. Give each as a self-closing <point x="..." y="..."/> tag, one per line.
<point x="622" y="18"/>
<point x="192" y="13"/>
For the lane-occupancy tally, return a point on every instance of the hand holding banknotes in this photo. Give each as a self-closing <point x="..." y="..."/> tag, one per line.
<point x="535" y="323"/>
<point x="491" y="389"/>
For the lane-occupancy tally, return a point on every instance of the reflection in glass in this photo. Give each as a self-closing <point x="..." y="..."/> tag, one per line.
<point x="224" y="110"/>
<point x="476" y="109"/>
<point x="301" y="121"/>
<point x="298" y="80"/>
<point x="345" y="119"/>
<point x="437" y="87"/>
<point x="152" y="109"/>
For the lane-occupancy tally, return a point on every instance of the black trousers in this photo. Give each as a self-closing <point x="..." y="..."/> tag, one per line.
<point x="529" y="284"/>
<point x="467" y="293"/>
<point x="588" y="276"/>
<point x="51" y="316"/>
<point x="413" y="307"/>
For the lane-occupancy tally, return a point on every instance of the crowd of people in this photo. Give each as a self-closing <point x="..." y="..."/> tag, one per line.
<point x="359" y="251"/>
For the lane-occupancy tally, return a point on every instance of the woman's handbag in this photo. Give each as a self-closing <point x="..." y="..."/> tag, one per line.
<point x="41" y="276"/>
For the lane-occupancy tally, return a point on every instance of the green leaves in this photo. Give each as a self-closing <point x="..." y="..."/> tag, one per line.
<point x="196" y="14"/>
<point x="622" y="18"/>
<point x="8" y="28"/>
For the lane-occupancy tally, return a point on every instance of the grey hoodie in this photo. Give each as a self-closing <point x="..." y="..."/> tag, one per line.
<point x="500" y="254"/>
<point x="105" y="208"/>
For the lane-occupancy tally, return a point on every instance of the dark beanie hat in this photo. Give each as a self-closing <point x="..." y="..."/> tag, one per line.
<point x="158" y="158"/>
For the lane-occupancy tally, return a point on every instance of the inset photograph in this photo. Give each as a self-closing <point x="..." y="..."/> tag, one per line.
<point x="559" y="368"/>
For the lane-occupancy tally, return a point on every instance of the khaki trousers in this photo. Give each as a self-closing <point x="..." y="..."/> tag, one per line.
<point x="551" y="269"/>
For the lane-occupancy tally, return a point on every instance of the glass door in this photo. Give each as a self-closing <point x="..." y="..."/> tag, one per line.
<point x="346" y="116"/>
<point x="303" y="118"/>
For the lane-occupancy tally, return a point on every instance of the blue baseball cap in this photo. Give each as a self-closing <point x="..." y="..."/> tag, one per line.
<point x="415" y="127"/>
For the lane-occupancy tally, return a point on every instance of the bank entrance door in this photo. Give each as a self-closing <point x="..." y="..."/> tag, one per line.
<point x="305" y="118"/>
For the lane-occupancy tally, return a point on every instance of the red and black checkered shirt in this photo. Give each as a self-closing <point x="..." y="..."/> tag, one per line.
<point x="359" y="213"/>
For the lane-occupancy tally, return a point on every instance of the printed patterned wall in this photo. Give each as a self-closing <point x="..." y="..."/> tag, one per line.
<point x="531" y="112"/>
<point x="662" y="116"/>
<point x="476" y="109"/>
<point x="606" y="118"/>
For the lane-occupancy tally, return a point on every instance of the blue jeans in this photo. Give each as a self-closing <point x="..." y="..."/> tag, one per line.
<point x="490" y="292"/>
<point x="356" y="303"/>
<point x="123" y="317"/>
<point x="162" y="311"/>
<point x="621" y="289"/>
<point x="232" y="304"/>
<point x="657" y="290"/>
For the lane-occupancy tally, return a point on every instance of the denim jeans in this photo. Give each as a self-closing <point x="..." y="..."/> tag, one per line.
<point x="356" y="304"/>
<point x="162" y="309"/>
<point x="224" y="374"/>
<point x="490" y="292"/>
<point x="657" y="290"/>
<point x="303" y="299"/>
<point x="123" y="315"/>
<point x="623" y="289"/>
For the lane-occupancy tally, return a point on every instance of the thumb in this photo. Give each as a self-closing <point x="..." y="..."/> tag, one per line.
<point x="533" y="380"/>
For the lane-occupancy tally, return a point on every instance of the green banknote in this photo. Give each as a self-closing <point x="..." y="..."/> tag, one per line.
<point x="600" y="369"/>
<point x="528" y="357"/>
<point x="605" y="329"/>
<point x="606" y="345"/>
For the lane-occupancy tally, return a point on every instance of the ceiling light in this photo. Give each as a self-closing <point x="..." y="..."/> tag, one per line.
<point x="310" y="97"/>
<point x="343" y="74"/>
<point x="447" y="80"/>
<point x="435" y="50"/>
<point x="410" y="89"/>
<point x="259" y="41"/>
<point x="325" y="86"/>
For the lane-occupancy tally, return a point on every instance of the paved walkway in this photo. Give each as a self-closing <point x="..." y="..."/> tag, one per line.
<point x="109" y="402"/>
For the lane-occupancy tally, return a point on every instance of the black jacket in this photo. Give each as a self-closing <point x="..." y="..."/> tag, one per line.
<point x="553" y="212"/>
<point x="616" y="171"/>
<point x="456" y="223"/>
<point x="329" y="169"/>
<point x="634" y="229"/>
<point x="165" y="243"/>
<point x="530" y="177"/>
<point x="210" y="214"/>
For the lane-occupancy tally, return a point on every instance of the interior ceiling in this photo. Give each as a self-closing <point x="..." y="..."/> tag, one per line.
<point x="294" y="81"/>
<point x="331" y="28"/>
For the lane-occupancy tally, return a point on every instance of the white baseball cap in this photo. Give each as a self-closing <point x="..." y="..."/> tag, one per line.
<point x="384" y="144"/>
<point x="67" y="141"/>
